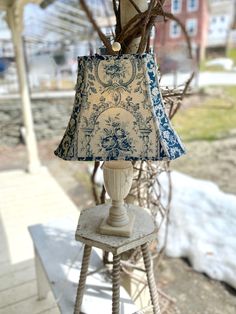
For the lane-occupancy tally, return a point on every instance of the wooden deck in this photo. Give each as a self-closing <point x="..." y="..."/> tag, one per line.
<point x="26" y="200"/>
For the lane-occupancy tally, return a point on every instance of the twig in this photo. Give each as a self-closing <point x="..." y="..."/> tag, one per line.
<point x="167" y="217"/>
<point x="92" y="178"/>
<point x="96" y="27"/>
<point x="134" y="27"/>
<point x="187" y="85"/>
<point x="115" y="9"/>
<point x="135" y="6"/>
<point x="187" y="38"/>
<point x="103" y="195"/>
<point x="143" y="41"/>
<point x="176" y="94"/>
<point x="182" y="96"/>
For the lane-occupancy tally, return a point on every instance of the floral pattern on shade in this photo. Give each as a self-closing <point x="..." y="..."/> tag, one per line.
<point x="115" y="139"/>
<point x="118" y="112"/>
<point x="115" y="70"/>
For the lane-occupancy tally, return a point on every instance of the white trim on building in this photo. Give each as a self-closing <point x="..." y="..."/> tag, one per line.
<point x="191" y="27"/>
<point x="176" y="6"/>
<point x="175" y="30"/>
<point x="192" y="5"/>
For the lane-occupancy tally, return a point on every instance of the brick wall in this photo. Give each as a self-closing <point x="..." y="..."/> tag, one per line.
<point x="165" y="42"/>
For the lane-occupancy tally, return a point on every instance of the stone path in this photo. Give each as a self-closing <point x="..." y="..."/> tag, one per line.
<point x="25" y="200"/>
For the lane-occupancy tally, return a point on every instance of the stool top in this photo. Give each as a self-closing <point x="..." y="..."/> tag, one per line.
<point x="89" y="221"/>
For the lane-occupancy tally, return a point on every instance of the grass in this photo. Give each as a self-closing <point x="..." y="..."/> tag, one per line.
<point x="215" y="118"/>
<point x="215" y="68"/>
<point x="231" y="53"/>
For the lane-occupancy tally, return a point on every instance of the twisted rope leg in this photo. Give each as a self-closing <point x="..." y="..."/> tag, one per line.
<point x="82" y="279"/>
<point x="116" y="285"/>
<point x="150" y="279"/>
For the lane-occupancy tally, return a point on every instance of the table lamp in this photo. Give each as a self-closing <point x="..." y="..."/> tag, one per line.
<point x="118" y="117"/>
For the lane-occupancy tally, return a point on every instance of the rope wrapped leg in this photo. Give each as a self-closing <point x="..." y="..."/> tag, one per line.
<point x="116" y="285"/>
<point x="82" y="279"/>
<point x="150" y="279"/>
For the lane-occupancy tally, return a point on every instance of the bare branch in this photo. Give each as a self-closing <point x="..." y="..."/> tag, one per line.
<point x="92" y="178"/>
<point x="144" y="36"/>
<point x="96" y="27"/>
<point x="135" y="6"/>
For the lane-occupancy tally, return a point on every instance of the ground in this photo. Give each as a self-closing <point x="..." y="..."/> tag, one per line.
<point x="214" y="161"/>
<point x="194" y="292"/>
<point x="211" y="156"/>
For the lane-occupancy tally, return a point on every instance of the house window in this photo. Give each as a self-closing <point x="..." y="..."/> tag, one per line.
<point x="191" y="27"/>
<point x="176" y="6"/>
<point x="213" y="20"/>
<point x="175" y="29"/>
<point x="192" y="5"/>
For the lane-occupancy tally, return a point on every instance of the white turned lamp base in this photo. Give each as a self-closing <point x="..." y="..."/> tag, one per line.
<point x="118" y="177"/>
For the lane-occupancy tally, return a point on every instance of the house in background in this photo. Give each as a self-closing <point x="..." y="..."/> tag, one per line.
<point x="232" y="33"/>
<point x="221" y="19"/>
<point x="169" y="36"/>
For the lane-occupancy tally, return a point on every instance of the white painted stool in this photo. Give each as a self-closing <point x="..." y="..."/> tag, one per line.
<point x="87" y="232"/>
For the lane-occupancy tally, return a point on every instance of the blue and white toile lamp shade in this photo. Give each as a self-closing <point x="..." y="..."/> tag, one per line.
<point x="118" y="112"/>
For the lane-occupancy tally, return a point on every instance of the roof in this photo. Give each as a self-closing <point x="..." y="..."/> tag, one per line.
<point x="60" y="20"/>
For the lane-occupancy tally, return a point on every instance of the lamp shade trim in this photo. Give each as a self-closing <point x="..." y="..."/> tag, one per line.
<point x="118" y="112"/>
<point x="170" y="141"/>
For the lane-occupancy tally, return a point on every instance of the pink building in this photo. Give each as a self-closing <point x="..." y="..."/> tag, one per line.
<point x="169" y="36"/>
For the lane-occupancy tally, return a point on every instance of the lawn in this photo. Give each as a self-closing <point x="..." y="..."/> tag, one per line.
<point x="214" y="118"/>
<point x="231" y="53"/>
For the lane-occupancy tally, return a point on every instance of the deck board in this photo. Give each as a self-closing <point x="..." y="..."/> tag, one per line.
<point x="15" y="294"/>
<point x="29" y="305"/>
<point x="7" y="268"/>
<point x="53" y="310"/>
<point x="17" y="278"/>
<point x="25" y="200"/>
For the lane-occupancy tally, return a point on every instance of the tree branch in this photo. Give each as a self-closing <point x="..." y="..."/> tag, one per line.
<point x="96" y="27"/>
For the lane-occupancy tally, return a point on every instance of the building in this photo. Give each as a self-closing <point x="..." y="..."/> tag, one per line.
<point x="221" y="19"/>
<point x="194" y="16"/>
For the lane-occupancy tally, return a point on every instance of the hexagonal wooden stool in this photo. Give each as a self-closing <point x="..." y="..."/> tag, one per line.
<point x="144" y="231"/>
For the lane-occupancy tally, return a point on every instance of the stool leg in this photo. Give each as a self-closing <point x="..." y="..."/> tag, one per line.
<point x="82" y="279"/>
<point x="116" y="285"/>
<point x="150" y="279"/>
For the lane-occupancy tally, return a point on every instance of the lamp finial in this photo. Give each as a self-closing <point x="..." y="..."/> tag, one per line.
<point x="116" y="46"/>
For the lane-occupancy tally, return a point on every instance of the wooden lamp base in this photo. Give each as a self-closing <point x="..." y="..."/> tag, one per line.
<point x="122" y="231"/>
<point x="118" y="177"/>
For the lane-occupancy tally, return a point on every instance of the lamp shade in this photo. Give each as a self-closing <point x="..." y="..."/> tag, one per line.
<point x="118" y="112"/>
